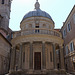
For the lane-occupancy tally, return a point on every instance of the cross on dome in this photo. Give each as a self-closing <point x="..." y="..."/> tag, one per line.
<point x="36" y="0"/>
<point x="37" y="5"/>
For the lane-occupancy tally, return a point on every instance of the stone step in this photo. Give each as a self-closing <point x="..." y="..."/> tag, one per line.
<point x="51" y="72"/>
<point x="39" y="74"/>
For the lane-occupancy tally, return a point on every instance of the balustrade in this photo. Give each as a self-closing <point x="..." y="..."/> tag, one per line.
<point x="37" y="31"/>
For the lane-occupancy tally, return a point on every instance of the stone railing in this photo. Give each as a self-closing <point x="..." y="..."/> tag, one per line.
<point x="37" y="31"/>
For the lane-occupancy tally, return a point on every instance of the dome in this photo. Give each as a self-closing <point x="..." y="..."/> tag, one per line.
<point x="37" y="12"/>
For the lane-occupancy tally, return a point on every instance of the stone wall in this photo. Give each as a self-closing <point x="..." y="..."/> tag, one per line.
<point x="4" y="55"/>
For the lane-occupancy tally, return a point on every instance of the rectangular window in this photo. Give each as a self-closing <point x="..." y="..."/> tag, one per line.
<point x="2" y="1"/>
<point x="37" y="30"/>
<point x="67" y="50"/>
<point x="37" y="26"/>
<point x="71" y="47"/>
<point x="69" y="27"/>
<point x="64" y="32"/>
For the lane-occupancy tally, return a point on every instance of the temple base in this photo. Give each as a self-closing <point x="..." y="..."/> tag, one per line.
<point x="40" y="72"/>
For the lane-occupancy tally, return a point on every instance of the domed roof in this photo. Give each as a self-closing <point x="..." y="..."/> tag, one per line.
<point x="37" y="12"/>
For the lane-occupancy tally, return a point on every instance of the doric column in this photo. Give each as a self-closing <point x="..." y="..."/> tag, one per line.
<point x="54" y="57"/>
<point x="61" y="57"/>
<point x="31" y="56"/>
<point x="20" y="58"/>
<point x="43" y="56"/>
<point x="13" y="59"/>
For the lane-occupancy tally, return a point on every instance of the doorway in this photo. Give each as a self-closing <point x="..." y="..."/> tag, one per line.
<point x="37" y="61"/>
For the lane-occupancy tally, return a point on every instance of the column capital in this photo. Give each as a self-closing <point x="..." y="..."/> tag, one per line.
<point x="31" y="42"/>
<point x="53" y="43"/>
<point x="43" y="41"/>
<point x="21" y="43"/>
<point x="61" y="45"/>
<point x="13" y="47"/>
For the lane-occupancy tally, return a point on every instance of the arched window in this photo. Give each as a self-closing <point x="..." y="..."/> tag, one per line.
<point x="2" y="1"/>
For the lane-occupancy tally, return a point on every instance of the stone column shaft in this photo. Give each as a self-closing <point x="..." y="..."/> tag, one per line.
<point x="43" y="56"/>
<point x="31" y="56"/>
<point x="61" y="58"/>
<point x="54" y="56"/>
<point x="13" y="59"/>
<point x="20" y="58"/>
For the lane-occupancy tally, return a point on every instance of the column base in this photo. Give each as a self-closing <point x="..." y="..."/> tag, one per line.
<point x="62" y="69"/>
<point x="43" y="69"/>
<point x="56" y="69"/>
<point x="19" y="70"/>
<point x="10" y="71"/>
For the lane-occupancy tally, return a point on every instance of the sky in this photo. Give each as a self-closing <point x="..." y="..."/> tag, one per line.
<point x="57" y="9"/>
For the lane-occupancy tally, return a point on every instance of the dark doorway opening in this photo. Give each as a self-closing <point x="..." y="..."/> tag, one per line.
<point x="37" y="60"/>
